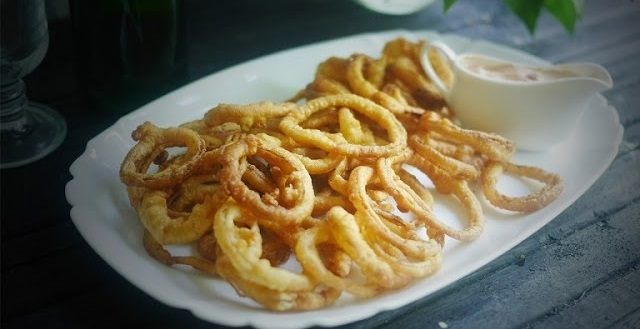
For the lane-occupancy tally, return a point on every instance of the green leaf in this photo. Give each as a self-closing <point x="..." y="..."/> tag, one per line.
<point x="579" y="5"/>
<point x="448" y="4"/>
<point x="564" y="11"/>
<point x="527" y="10"/>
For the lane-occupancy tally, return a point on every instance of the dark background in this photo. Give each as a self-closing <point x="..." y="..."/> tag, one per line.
<point x="581" y="270"/>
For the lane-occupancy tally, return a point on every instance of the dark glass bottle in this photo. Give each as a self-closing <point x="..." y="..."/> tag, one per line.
<point x="129" y="51"/>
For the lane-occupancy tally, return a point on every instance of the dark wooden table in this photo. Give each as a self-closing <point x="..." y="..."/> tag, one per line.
<point x="581" y="270"/>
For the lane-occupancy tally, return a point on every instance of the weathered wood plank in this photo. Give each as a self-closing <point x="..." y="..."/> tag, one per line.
<point x="613" y="297"/>
<point x="626" y="102"/>
<point x="29" y="190"/>
<point x="629" y="321"/>
<point x="39" y="245"/>
<point x="50" y="280"/>
<point x="108" y="306"/>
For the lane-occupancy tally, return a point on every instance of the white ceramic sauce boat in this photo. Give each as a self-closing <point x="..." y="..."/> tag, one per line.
<point x="534" y="106"/>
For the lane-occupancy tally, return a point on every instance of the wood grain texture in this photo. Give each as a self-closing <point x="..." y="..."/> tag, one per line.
<point x="579" y="271"/>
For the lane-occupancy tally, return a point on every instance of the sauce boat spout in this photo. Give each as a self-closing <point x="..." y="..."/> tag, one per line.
<point x="594" y="77"/>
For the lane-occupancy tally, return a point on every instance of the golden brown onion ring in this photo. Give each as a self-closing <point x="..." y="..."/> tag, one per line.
<point x="353" y="130"/>
<point x="414" y="184"/>
<point x="186" y="227"/>
<point x="247" y="116"/>
<point x="552" y="187"/>
<point x="495" y="147"/>
<point x="309" y="255"/>
<point x="397" y="135"/>
<point x="400" y="234"/>
<point x="152" y="141"/>
<point x="157" y="251"/>
<point x="455" y="168"/>
<point x="408" y="198"/>
<point x="243" y="247"/>
<point x="323" y="87"/>
<point x="319" y="165"/>
<point x="269" y="214"/>
<point x="194" y="190"/>
<point x="316" y="297"/>
<point x="347" y="235"/>
<point x="444" y="184"/>
<point x="366" y="89"/>
<point x="411" y="74"/>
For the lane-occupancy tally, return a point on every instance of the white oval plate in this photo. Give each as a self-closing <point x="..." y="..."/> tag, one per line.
<point x="101" y="212"/>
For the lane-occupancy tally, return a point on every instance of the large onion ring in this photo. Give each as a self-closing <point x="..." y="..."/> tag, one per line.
<point x="409" y="199"/>
<point x="269" y="214"/>
<point x="397" y="135"/>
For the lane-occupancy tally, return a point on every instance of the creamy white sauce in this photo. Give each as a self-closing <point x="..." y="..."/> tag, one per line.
<point x="514" y="72"/>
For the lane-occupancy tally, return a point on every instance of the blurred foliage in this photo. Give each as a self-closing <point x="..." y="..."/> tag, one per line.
<point x="567" y="12"/>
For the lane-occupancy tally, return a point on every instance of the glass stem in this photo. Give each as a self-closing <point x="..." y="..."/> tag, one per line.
<point x="13" y="101"/>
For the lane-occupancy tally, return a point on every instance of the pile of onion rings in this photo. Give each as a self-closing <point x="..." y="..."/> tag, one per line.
<point x="326" y="178"/>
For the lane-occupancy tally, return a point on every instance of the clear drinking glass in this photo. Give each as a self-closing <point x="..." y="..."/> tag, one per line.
<point x="29" y="130"/>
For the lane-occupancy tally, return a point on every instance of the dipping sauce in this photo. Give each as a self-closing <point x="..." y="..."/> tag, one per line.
<point x="513" y="72"/>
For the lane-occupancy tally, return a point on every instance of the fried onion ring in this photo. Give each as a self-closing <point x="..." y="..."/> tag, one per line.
<point x="495" y="147"/>
<point x="231" y="177"/>
<point x="328" y="179"/>
<point x="316" y="297"/>
<point x="448" y="185"/>
<point x="152" y="141"/>
<point x="366" y="89"/>
<point x="247" y="116"/>
<point x="243" y="247"/>
<point x="397" y="135"/>
<point x="454" y="167"/>
<point x="186" y="227"/>
<point x="529" y="203"/>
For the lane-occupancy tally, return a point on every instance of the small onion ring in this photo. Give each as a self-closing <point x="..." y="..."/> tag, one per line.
<point x="366" y="89"/>
<point x="495" y="147"/>
<point x="456" y="168"/>
<point x="152" y="141"/>
<point x="187" y="227"/>
<point x="448" y="185"/>
<point x="247" y="116"/>
<point x="552" y="187"/>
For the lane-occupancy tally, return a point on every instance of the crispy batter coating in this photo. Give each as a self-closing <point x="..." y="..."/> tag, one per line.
<point x="324" y="182"/>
